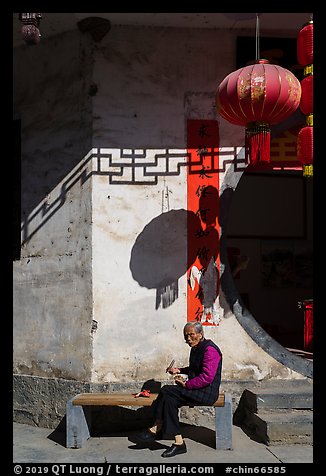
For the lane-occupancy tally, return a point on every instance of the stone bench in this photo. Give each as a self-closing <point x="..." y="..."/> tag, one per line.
<point x="78" y="415"/>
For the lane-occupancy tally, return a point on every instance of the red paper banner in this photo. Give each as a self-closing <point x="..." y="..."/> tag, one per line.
<point x="204" y="230"/>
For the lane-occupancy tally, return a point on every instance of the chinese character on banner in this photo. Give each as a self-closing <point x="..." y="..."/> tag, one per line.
<point x="203" y="243"/>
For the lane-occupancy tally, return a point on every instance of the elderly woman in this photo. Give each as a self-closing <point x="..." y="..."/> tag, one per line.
<point x="202" y="386"/>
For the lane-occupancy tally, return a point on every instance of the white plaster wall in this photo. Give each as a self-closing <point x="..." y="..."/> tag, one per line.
<point x="145" y="77"/>
<point x="133" y="340"/>
<point x="52" y="302"/>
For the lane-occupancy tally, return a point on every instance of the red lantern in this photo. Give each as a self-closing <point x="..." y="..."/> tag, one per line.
<point x="305" y="42"/>
<point x="256" y="97"/>
<point x="305" y="148"/>
<point x="307" y="102"/>
<point x="305" y="136"/>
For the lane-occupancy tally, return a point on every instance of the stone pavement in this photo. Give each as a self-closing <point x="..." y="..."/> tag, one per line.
<point x="41" y="445"/>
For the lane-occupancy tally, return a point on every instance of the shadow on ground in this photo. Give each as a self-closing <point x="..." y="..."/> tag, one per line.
<point x="58" y="435"/>
<point x="151" y="445"/>
<point x="199" y="434"/>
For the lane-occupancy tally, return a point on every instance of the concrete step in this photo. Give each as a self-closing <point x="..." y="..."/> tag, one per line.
<point x="282" y="417"/>
<point x="286" y="398"/>
<point x="288" y="427"/>
<point x="280" y="427"/>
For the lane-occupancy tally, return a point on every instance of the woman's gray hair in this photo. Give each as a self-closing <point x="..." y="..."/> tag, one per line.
<point x="196" y="325"/>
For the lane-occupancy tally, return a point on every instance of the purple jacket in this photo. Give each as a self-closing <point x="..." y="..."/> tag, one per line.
<point x="210" y="364"/>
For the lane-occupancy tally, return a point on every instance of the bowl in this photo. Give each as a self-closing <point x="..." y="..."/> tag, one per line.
<point x="183" y="377"/>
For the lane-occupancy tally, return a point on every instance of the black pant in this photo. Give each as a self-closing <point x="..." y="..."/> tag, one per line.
<point x="166" y="408"/>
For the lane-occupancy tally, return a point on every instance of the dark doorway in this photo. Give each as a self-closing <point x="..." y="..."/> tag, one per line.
<point x="269" y="231"/>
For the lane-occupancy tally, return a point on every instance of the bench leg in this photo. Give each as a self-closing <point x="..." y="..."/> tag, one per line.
<point x="77" y="425"/>
<point x="223" y="424"/>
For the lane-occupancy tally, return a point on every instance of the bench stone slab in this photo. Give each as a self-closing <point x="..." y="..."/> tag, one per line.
<point x="78" y="415"/>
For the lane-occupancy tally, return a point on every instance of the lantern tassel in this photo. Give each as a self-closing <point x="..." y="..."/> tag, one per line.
<point x="308" y="170"/>
<point x="257" y="143"/>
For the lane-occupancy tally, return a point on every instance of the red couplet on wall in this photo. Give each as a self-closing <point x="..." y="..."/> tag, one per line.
<point x="204" y="228"/>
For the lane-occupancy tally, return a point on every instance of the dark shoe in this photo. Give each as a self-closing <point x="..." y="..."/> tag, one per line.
<point x="175" y="450"/>
<point x="147" y="435"/>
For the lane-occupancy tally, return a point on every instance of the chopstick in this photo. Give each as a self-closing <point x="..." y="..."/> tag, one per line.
<point x="171" y="365"/>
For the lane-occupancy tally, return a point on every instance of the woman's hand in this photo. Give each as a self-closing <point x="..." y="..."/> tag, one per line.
<point x="174" y="370"/>
<point x="180" y="382"/>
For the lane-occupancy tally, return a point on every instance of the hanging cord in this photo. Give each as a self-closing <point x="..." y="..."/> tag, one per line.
<point x="165" y="199"/>
<point x="257" y="37"/>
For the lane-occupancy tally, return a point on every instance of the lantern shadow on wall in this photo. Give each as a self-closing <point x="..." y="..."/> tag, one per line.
<point x="160" y="255"/>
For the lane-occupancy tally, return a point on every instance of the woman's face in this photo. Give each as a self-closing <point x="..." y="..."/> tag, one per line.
<point x="192" y="338"/>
